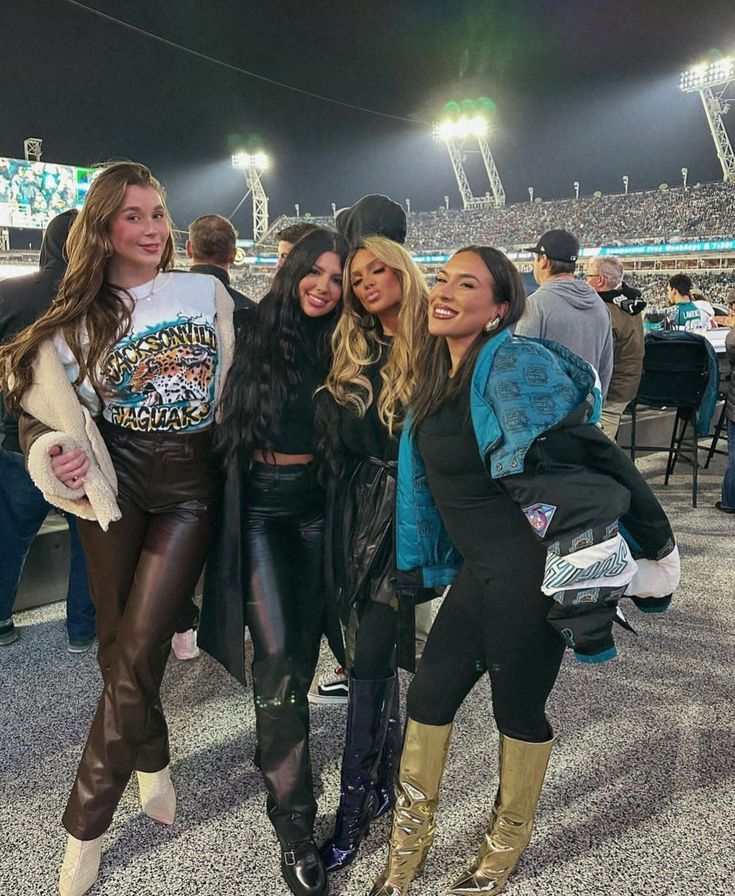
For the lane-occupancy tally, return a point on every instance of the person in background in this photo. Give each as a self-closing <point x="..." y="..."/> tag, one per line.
<point x="211" y="246"/>
<point x="605" y="276"/>
<point x="22" y="505"/>
<point x="119" y="382"/>
<point x="685" y="315"/>
<point x="565" y="309"/>
<point x="727" y="502"/>
<point x="705" y="309"/>
<point x="286" y="238"/>
<point x="728" y="320"/>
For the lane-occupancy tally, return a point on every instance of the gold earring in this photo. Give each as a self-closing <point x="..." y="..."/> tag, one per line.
<point x="492" y="324"/>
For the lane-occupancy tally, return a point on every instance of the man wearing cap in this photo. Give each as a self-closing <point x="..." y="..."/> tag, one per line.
<point x="566" y="309"/>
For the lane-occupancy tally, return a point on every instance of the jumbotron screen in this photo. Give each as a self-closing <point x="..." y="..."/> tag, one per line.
<point x="31" y="193"/>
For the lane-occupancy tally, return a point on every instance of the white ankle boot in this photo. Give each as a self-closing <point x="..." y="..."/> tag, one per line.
<point x="80" y="867"/>
<point x="157" y="795"/>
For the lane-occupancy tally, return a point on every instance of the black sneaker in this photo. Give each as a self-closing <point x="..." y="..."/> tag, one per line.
<point x="330" y="688"/>
<point x="80" y="645"/>
<point x="718" y="506"/>
<point x="8" y="634"/>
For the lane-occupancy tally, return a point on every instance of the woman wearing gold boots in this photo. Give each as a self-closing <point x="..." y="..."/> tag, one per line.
<point x="485" y="405"/>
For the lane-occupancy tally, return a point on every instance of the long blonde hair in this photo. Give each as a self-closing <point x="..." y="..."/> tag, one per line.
<point x="356" y="342"/>
<point x="86" y="300"/>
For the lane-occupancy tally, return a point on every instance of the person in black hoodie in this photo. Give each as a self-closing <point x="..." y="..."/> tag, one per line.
<point x="605" y="276"/>
<point x="22" y="506"/>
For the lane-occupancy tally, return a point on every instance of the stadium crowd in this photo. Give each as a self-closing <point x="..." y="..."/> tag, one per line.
<point x="703" y="211"/>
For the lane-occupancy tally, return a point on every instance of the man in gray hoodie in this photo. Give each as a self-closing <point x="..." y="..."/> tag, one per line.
<point x="565" y="309"/>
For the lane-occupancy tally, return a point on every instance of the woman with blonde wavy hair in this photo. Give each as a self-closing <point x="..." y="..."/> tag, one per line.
<point x="383" y="324"/>
<point x="118" y="383"/>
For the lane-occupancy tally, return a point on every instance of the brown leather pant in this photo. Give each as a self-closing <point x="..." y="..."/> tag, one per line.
<point x="142" y="571"/>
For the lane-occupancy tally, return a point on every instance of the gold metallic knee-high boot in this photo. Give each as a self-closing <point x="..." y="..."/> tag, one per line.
<point x="522" y="769"/>
<point x="417" y="793"/>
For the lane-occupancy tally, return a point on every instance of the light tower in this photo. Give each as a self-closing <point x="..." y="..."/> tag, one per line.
<point x="456" y="134"/>
<point x="32" y="148"/>
<point x="253" y="164"/>
<point x="711" y="81"/>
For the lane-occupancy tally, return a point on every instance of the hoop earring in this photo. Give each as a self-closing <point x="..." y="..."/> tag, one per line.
<point x="492" y="325"/>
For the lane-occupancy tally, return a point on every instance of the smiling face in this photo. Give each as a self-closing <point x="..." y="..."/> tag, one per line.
<point x="375" y="285"/>
<point x="462" y="302"/>
<point x="321" y="289"/>
<point x="138" y="234"/>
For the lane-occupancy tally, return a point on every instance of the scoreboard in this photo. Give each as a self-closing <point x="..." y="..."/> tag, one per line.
<point x="31" y="193"/>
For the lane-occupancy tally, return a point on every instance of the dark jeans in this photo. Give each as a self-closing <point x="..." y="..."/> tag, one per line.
<point x="142" y="571"/>
<point x="22" y="512"/>
<point x="284" y="536"/>
<point x="728" y="483"/>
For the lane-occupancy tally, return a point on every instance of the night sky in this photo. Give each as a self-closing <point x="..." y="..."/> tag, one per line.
<point x="584" y="91"/>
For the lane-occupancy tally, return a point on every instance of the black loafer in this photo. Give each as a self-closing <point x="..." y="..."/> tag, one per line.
<point x="303" y="870"/>
<point x="718" y="506"/>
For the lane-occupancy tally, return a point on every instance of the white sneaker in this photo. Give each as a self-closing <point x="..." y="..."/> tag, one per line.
<point x="330" y="688"/>
<point x="184" y="645"/>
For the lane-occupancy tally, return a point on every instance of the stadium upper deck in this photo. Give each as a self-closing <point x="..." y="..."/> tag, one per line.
<point x="703" y="211"/>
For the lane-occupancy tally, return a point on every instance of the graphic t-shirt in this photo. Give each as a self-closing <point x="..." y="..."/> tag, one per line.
<point x="161" y="376"/>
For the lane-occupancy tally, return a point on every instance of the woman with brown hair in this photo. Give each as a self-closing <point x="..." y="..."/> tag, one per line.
<point x="508" y="493"/>
<point x="119" y="382"/>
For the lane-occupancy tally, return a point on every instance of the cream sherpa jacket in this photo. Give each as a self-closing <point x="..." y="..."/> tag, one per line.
<point x="53" y="401"/>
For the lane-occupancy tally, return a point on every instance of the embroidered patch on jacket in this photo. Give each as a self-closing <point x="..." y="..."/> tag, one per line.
<point x="539" y="516"/>
<point x="612" y="530"/>
<point x="588" y="596"/>
<point x="584" y="540"/>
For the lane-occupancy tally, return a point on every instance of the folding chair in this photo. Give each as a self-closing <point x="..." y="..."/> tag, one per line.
<point x="675" y="375"/>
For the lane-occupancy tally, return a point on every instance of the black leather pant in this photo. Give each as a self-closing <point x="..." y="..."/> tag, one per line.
<point x="142" y="572"/>
<point x="284" y="539"/>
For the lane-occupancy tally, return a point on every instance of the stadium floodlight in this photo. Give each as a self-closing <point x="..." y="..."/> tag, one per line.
<point x="714" y="74"/>
<point x="530" y="194"/>
<point x="246" y="160"/>
<point x="462" y="128"/>
<point x="254" y="164"/>
<point x="576" y="189"/>
<point x="684" y="175"/>
<point x="455" y="131"/>
<point x="626" y="181"/>
<point x="704" y="79"/>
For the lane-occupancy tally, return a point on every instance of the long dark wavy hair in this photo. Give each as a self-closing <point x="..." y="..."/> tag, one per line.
<point x="87" y="301"/>
<point x="434" y="388"/>
<point x="272" y="354"/>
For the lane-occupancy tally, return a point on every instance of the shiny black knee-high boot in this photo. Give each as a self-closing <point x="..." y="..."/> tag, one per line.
<point x="385" y="786"/>
<point x="282" y="721"/>
<point x="367" y="720"/>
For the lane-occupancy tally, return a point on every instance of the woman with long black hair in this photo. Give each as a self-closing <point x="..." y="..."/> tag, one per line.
<point x="268" y="425"/>
<point x="506" y="491"/>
